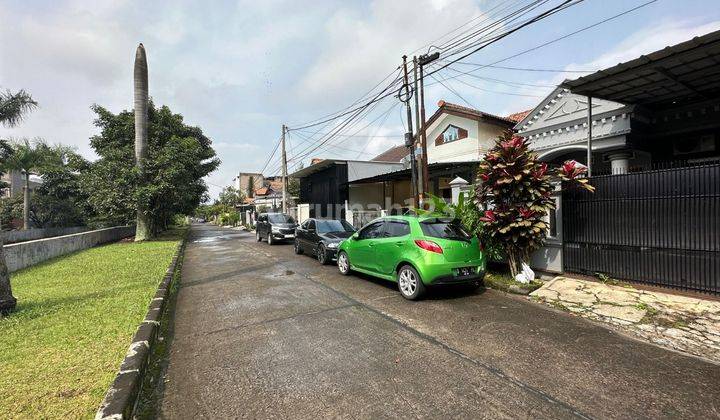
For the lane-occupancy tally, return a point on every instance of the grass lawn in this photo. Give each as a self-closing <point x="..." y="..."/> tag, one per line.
<point x="75" y="318"/>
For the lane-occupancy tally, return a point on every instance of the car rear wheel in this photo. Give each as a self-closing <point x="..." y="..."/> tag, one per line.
<point x="297" y="248"/>
<point x="343" y="263"/>
<point x="409" y="283"/>
<point x="322" y="255"/>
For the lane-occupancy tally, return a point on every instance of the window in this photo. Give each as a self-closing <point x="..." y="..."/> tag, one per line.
<point x="280" y="218"/>
<point x="311" y="225"/>
<point x="444" y="229"/>
<point x="371" y="231"/>
<point x="326" y="226"/>
<point x="395" y="228"/>
<point x="450" y="134"/>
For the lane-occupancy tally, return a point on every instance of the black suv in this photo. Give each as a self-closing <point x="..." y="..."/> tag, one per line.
<point x="275" y="227"/>
<point x="321" y="237"/>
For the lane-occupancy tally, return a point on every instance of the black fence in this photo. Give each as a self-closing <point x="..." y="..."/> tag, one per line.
<point x="660" y="227"/>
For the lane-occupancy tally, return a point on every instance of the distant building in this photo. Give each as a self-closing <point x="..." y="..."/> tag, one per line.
<point x="16" y="182"/>
<point x="248" y="182"/>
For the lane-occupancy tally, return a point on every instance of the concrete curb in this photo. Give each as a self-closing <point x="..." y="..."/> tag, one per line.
<point x="122" y="396"/>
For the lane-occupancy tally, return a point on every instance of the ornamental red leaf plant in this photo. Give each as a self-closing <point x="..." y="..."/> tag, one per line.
<point x="515" y="190"/>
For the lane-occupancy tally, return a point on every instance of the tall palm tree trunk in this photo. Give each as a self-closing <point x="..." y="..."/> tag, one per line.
<point x="144" y="228"/>
<point x="26" y="202"/>
<point x="7" y="300"/>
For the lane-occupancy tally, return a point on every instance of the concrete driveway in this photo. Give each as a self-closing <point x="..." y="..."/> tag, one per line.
<point x="260" y="332"/>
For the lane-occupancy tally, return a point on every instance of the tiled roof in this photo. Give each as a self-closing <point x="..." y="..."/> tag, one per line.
<point x="261" y="191"/>
<point x="519" y="116"/>
<point x="447" y="106"/>
<point x="393" y="154"/>
<point x="276" y="184"/>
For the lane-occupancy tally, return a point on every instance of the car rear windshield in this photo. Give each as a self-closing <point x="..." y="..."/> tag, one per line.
<point x="280" y="218"/>
<point x="326" y="226"/>
<point x="445" y="229"/>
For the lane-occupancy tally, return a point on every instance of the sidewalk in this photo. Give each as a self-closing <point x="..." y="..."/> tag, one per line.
<point x="687" y="324"/>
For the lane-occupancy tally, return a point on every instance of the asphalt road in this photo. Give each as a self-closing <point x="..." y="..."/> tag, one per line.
<point x="262" y="333"/>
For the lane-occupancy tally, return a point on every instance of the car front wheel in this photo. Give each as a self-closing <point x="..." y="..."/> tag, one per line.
<point x="270" y="239"/>
<point x="257" y="236"/>
<point x="343" y="263"/>
<point x="322" y="255"/>
<point x="297" y="248"/>
<point x="409" y="283"/>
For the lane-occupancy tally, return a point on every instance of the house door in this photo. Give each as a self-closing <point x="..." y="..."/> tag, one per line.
<point x="550" y="257"/>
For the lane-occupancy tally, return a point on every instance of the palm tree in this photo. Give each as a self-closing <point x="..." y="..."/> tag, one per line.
<point x="143" y="230"/>
<point x="13" y="107"/>
<point x="28" y="158"/>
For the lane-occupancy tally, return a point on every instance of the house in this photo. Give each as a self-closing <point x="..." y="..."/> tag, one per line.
<point x="248" y="182"/>
<point x="324" y="184"/>
<point x="652" y="126"/>
<point x="457" y="138"/>
<point x="16" y="183"/>
<point x="456" y="133"/>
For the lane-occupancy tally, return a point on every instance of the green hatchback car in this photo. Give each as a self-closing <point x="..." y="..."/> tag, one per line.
<point x="415" y="252"/>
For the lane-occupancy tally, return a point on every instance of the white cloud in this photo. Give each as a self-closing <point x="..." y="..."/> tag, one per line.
<point x="357" y="50"/>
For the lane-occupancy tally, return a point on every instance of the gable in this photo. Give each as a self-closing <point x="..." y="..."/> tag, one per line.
<point x="562" y="108"/>
<point x="451" y="133"/>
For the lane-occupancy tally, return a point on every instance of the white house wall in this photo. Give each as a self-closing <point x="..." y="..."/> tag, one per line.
<point x="359" y="169"/>
<point x="481" y="137"/>
<point x="366" y="194"/>
<point x="560" y="121"/>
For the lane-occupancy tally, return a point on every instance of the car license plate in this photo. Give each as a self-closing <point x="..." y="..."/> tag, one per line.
<point x="289" y="236"/>
<point x="465" y="271"/>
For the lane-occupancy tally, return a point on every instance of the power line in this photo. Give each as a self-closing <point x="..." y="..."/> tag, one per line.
<point x="522" y="68"/>
<point x="537" y="18"/>
<point x="544" y="44"/>
<point x="271" y="156"/>
<point x="483" y="89"/>
<point x="453" y="91"/>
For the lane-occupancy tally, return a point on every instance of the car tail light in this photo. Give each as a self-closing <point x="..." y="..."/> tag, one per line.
<point x="428" y="246"/>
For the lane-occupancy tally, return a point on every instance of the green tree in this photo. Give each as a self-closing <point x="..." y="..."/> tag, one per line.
<point x="178" y="157"/>
<point x="29" y="158"/>
<point x="516" y="189"/>
<point x="293" y="188"/>
<point x="231" y="197"/>
<point x="13" y="107"/>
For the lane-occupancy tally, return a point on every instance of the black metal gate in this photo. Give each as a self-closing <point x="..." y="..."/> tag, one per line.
<point x="660" y="227"/>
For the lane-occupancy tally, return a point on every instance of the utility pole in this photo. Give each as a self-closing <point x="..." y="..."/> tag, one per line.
<point x="284" y="171"/>
<point x="589" y="137"/>
<point x="416" y="139"/>
<point x="409" y="138"/>
<point x="422" y="61"/>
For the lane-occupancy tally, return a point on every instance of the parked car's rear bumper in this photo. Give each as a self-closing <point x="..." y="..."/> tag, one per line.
<point x="450" y="279"/>
<point x="445" y="273"/>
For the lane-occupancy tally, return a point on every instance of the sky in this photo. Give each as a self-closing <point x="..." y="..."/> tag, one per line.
<point x="242" y="69"/>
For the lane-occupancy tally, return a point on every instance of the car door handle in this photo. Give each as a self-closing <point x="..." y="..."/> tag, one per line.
<point x="399" y="243"/>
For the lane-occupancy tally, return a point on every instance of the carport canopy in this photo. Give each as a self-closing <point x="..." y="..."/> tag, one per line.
<point x="681" y="74"/>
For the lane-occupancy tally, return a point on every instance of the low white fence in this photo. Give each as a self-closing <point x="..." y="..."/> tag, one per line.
<point x="25" y="254"/>
<point x="13" y="236"/>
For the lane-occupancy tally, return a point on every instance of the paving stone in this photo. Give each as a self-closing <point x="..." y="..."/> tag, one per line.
<point x="683" y="323"/>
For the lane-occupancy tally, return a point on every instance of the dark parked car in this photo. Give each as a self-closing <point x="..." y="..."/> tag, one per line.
<point x="275" y="227"/>
<point x="321" y="237"/>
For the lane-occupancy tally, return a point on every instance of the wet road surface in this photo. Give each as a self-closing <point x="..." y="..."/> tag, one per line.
<point x="260" y="332"/>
